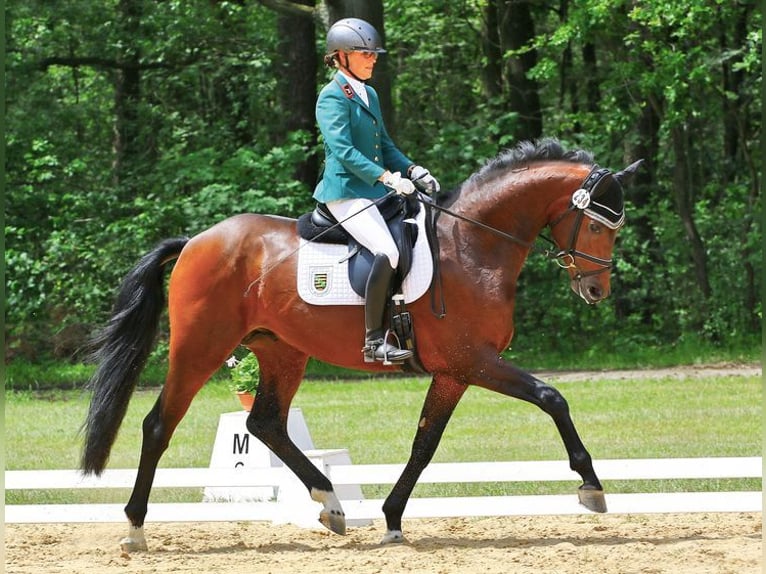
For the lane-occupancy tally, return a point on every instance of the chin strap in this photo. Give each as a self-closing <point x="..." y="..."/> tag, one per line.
<point x="346" y="69"/>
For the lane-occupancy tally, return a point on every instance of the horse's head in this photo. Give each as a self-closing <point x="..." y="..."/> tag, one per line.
<point x="586" y="230"/>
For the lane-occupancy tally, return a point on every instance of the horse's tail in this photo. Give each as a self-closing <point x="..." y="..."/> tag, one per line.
<point x="121" y="350"/>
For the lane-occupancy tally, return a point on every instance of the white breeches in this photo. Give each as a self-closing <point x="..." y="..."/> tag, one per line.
<point x="367" y="227"/>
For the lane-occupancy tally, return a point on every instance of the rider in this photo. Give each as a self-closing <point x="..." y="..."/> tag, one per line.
<point x="361" y="162"/>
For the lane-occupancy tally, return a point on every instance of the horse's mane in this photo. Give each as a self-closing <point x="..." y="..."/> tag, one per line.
<point x="522" y="154"/>
<point x="526" y="152"/>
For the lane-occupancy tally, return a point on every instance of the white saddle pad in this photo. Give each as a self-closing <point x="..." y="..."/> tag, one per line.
<point x="323" y="271"/>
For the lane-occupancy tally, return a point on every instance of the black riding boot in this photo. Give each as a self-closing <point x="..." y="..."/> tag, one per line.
<point x="376" y="292"/>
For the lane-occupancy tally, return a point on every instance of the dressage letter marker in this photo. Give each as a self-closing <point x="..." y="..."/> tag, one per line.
<point x="234" y="447"/>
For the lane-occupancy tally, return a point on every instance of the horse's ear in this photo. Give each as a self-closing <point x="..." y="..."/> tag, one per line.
<point x="626" y="175"/>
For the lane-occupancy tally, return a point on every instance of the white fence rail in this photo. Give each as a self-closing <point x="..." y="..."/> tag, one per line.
<point x="300" y="509"/>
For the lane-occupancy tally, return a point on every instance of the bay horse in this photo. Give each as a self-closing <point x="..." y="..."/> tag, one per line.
<point x="235" y="284"/>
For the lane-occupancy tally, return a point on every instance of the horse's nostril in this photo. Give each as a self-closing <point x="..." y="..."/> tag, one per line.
<point x="595" y="292"/>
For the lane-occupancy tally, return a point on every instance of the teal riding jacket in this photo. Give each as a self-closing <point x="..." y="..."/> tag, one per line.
<point x="357" y="146"/>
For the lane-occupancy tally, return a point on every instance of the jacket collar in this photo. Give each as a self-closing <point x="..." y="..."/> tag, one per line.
<point x="348" y="91"/>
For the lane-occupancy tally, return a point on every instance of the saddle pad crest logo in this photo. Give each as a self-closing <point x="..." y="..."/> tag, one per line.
<point x="321" y="279"/>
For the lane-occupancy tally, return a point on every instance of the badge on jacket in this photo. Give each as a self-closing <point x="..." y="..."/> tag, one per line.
<point x="348" y="90"/>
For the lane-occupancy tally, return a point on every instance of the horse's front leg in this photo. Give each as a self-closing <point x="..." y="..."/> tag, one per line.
<point x="505" y="378"/>
<point x="281" y="371"/>
<point x="442" y="398"/>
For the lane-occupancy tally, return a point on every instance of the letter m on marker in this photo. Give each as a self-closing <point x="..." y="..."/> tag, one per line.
<point x="241" y="443"/>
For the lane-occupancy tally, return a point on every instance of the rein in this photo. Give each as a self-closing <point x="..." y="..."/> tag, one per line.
<point x="547" y="252"/>
<point x="564" y="258"/>
<point x="589" y="186"/>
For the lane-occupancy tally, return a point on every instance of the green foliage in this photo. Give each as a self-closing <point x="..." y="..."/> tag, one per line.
<point x="21" y="375"/>
<point x="210" y="142"/>
<point x="245" y="375"/>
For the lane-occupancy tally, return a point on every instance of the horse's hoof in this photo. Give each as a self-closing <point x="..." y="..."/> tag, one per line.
<point x="128" y="545"/>
<point x="393" y="537"/>
<point x="334" y="521"/>
<point x="592" y="498"/>
<point x="135" y="541"/>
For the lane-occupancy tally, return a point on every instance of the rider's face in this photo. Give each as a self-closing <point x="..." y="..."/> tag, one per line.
<point x="361" y="64"/>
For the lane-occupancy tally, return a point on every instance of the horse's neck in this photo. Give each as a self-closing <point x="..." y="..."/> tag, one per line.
<point x="520" y="202"/>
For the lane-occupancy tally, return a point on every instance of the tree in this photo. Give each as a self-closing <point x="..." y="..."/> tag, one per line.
<point x="296" y="79"/>
<point x="131" y="121"/>
<point x="684" y="85"/>
<point x="517" y="29"/>
<point x="507" y="31"/>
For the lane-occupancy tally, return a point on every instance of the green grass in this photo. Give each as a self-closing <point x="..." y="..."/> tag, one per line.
<point x="376" y="420"/>
<point x="22" y="375"/>
<point x="619" y="353"/>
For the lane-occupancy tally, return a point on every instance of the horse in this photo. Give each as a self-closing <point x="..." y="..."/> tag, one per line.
<point x="234" y="285"/>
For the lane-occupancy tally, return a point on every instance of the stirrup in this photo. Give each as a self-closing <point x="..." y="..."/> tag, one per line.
<point x="380" y="350"/>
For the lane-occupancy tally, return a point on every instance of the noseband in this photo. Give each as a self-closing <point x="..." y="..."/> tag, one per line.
<point x="597" y="182"/>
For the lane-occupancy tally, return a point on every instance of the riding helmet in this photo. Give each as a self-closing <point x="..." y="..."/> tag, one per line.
<point x="353" y="35"/>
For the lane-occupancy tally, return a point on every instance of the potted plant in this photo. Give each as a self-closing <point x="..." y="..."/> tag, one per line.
<point x="245" y="375"/>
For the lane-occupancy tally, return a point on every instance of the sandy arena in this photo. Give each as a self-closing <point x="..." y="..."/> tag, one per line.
<point x="646" y="544"/>
<point x="727" y="543"/>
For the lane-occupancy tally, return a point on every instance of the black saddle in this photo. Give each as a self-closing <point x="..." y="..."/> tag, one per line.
<point x="320" y="226"/>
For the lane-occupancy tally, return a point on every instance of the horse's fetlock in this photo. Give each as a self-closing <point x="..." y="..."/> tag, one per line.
<point x="580" y="461"/>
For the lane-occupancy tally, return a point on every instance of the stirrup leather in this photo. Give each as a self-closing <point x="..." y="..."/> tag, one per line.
<point x="380" y="350"/>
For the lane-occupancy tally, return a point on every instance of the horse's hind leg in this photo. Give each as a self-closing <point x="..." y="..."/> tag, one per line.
<point x="154" y="443"/>
<point x="190" y="368"/>
<point x="442" y="398"/>
<point x="281" y="372"/>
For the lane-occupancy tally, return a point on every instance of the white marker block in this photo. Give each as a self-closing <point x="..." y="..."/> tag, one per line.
<point x="235" y="447"/>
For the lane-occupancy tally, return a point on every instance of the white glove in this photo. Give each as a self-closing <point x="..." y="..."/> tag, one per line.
<point x="423" y="180"/>
<point x="400" y="185"/>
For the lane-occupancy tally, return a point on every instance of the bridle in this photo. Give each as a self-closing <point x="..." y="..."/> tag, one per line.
<point x="595" y="183"/>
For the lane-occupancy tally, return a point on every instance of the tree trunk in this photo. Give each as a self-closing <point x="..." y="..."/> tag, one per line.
<point x="127" y="143"/>
<point x="639" y="195"/>
<point x="737" y="132"/>
<point x="492" y="70"/>
<point x="732" y="82"/>
<point x="590" y="64"/>
<point x="567" y="88"/>
<point x="297" y="73"/>
<point x="683" y="187"/>
<point x="517" y="29"/>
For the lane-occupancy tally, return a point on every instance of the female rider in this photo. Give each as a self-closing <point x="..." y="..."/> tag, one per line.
<point x="361" y="163"/>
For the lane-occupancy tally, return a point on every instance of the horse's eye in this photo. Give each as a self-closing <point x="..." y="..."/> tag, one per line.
<point x="594" y="227"/>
